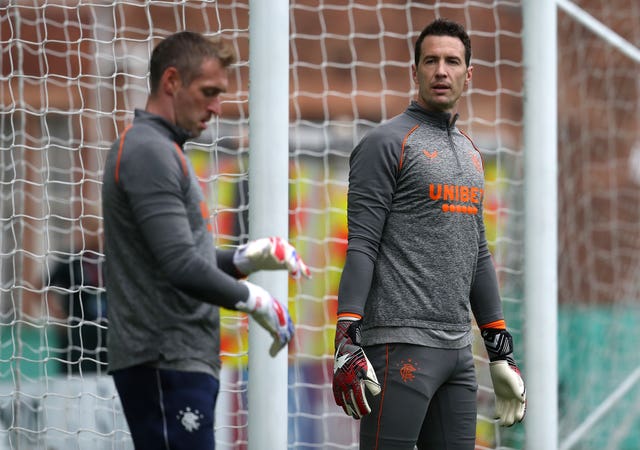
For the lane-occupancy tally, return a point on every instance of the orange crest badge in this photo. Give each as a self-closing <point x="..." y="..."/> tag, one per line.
<point x="407" y="370"/>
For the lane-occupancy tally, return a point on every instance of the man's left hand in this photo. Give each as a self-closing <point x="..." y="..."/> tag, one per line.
<point x="511" y="397"/>
<point x="271" y="253"/>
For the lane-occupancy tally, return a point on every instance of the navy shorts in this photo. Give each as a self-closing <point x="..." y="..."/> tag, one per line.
<point x="168" y="409"/>
<point x="428" y="399"/>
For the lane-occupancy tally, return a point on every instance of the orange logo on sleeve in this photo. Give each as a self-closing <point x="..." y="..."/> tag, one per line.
<point x="477" y="161"/>
<point x="205" y="215"/>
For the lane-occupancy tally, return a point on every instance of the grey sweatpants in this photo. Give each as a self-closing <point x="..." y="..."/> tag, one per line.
<point x="428" y="399"/>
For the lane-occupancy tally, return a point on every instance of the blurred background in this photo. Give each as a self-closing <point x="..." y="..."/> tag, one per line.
<point x="72" y="73"/>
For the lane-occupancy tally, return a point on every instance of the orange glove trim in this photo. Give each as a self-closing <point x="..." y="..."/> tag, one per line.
<point x="498" y="325"/>
<point x="348" y="315"/>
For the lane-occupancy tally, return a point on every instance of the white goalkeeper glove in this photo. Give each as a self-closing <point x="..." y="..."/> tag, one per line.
<point x="352" y="371"/>
<point x="510" y="392"/>
<point x="508" y="386"/>
<point x="272" y="315"/>
<point x="272" y="253"/>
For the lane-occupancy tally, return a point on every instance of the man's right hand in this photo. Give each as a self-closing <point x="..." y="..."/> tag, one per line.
<point x="352" y="371"/>
<point x="272" y="315"/>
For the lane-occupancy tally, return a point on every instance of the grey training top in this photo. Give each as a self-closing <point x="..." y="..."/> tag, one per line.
<point x="417" y="260"/>
<point x="164" y="279"/>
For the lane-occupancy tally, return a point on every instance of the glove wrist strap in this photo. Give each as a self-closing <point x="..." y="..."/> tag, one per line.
<point x="499" y="344"/>
<point x="242" y="263"/>
<point x="348" y="329"/>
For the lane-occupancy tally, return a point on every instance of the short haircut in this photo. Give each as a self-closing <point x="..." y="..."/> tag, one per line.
<point x="444" y="27"/>
<point x="186" y="50"/>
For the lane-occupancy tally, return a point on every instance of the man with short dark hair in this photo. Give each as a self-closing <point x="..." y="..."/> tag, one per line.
<point x="164" y="277"/>
<point x="417" y="268"/>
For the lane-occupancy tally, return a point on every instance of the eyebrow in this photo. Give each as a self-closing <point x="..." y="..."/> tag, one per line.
<point x="213" y="90"/>
<point x="445" y="56"/>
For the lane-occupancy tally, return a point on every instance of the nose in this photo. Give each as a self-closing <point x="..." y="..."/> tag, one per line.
<point x="215" y="106"/>
<point x="441" y="68"/>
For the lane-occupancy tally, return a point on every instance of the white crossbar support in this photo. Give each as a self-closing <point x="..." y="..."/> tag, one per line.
<point x="600" y="29"/>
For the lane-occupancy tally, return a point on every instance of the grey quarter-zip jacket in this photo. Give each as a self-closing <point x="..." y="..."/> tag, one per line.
<point x="418" y="265"/>
<point x="164" y="277"/>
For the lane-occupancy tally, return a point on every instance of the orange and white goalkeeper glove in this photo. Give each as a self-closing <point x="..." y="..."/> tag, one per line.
<point x="271" y="253"/>
<point x="508" y="386"/>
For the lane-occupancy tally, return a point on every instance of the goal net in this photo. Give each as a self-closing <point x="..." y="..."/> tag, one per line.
<point x="74" y="70"/>
<point x="599" y="224"/>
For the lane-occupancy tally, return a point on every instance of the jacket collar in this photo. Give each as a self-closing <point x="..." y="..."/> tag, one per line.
<point x="443" y="120"/>
<point x="177" y="134"/>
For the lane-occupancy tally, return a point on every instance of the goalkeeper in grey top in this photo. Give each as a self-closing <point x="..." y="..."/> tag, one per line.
<point x="417" y="268"/>
<point x="164" y="277"/>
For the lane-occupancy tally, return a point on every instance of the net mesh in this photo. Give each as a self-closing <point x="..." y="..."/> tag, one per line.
<point x="599" y="218"/>
<point x="351" y="69"/>
<point x="72" y="73"/>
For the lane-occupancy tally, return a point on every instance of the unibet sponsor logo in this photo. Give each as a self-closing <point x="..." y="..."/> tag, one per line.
<point x="456" y="198"/>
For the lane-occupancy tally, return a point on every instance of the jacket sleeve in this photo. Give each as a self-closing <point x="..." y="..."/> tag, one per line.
<point x="485" y="295"/>
<point x="372" y="181"/>
<point x="155" y="196"/>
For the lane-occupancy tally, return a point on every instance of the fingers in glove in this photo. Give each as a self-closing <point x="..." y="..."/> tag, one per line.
<point x="297" y="267"/>
<point x="505" y="412"/>
<point x="351" y="397"/>
<point x="509" y="412"/>
<point x="348" y="405"/>
<point x="277" y="345"/>
<point x="356" y="404"/>
<point x="301" y="268"/>
<point x="521" y="412"/>
<point x="286" y="254"/>
<point x="281" y="338"/>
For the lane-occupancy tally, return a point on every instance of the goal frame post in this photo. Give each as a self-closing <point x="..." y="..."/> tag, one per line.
<point x="269" y="208"/>
<point x="540" y="43"/>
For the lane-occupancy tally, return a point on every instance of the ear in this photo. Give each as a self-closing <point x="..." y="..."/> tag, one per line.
<point x="468" y="77"/>
<point x="170" y="81"/>
<point x="414" y="73"/>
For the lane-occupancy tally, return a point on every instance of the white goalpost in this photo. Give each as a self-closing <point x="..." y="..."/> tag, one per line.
<point x="269" y="207"/>
<point x="555" y="94"/>
<point x="541" y="223"/>
<point x="554" y="107"/>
